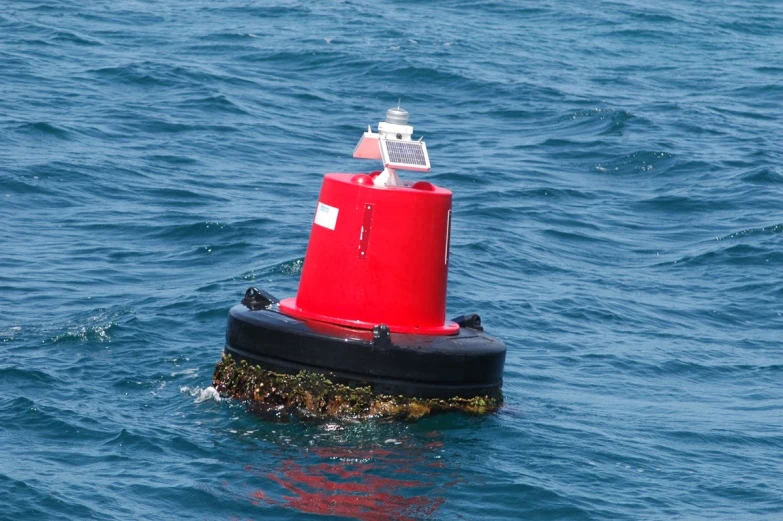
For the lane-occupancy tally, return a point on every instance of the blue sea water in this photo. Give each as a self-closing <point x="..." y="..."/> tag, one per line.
<point x="618" y="222"/>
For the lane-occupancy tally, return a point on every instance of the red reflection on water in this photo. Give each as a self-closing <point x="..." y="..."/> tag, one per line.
<point x="348" y="486"/>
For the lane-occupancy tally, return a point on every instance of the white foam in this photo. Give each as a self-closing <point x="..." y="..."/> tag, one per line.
<point x="202" y="395"/>
<point x="187" y="372"/>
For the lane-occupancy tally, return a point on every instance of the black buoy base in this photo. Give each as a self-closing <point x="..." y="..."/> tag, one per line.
<point x="466" y="365"/>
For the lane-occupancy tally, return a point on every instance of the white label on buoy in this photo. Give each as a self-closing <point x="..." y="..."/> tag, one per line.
<point x="326" y="215"/>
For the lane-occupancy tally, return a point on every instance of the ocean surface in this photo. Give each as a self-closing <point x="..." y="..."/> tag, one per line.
<point x="617" y="170"/>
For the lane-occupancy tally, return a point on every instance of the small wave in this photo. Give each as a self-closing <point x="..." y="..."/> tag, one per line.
<point x="214" y="103"/>
<point x="608" y="121"/>
<point x="217" y="313"/>
<point x="694" y="370"/>
<point x="723" y="438"/>
<point x="130" y="441"/>
<point x="222" y="248"/>
<point x="7" y="335"/>
<point x="571" y="236"/>
<point x="205" y="229"/>
<point x="760" y="91"/>
<point x="292" y="267"/>
<point x="768" y="69"/>
<point x="262" y="12"/>
<point x="84" y="334"/>
<point x="48" y="421"/>
<point x="512" y="114"/>
<point x="654" y="18"/>
<point x="19" y="376"/>
<point x="45" y="129"/>
<point x="144" y="74"/>
<point x="229" y="37"/>
<point x="74" y="37"/>
<point x="173" y="159"/>
<point x="639" y="161"/>
<point x="736" y="255"/>
<point x="763" y="176"/>
<point x="38" y="185"/>
<point x="642" y="35"/>
<point x="182" y="197"/>
<point x="750" y="232"/>
<point x="170" y="126"/>
<point x="748" y="113"/>
<point x="35" y="499"/>
<point x="98" y="325"/>
<point x="752" y="25"/>
<point x="673" y="204"/>
<point x="535" y="194"/>
<point x="303" y="60"/>
<point x="709" y="371"/>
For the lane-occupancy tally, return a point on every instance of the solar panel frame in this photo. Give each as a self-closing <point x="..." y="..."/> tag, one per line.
<point x="405" y="155"/>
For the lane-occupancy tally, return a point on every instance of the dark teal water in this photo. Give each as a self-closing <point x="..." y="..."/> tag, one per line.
<point x="618" y="221"/>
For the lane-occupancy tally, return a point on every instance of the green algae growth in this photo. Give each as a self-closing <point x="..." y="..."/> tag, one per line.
<point x="314" y="395"/>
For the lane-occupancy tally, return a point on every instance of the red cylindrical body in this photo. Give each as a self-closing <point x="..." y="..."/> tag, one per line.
<point x="377" y="255"/>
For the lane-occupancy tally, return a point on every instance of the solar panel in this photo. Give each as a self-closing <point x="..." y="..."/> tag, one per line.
<point x="405" y="155"/>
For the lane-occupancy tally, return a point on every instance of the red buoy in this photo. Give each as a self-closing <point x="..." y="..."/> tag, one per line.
<point x="377" y="255"/>
<point x="371" y="305"/>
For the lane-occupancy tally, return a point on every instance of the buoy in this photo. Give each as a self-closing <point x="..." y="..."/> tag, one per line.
<point x="369" y="317"/>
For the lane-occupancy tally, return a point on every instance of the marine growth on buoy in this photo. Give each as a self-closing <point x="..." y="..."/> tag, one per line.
<point x="366" y="334"/>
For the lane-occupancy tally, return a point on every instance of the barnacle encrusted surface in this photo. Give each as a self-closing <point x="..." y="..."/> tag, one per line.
<point x="314" y="395"/>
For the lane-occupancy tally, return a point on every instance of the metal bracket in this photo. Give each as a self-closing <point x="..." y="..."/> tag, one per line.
<point x="470" y="321"/>
<point x="381" y="335"/>
<point x="256" y="299"/>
